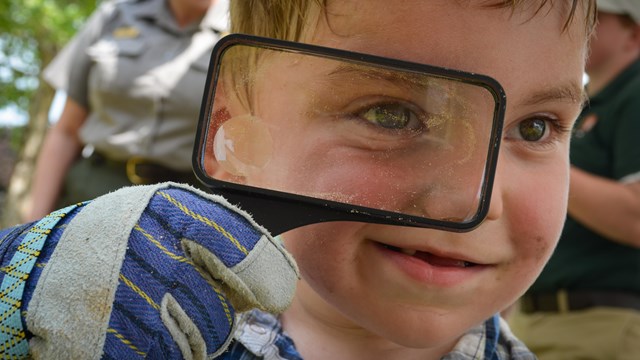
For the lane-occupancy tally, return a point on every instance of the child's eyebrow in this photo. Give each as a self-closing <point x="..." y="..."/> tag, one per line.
<point x="403" y="79"/>
<point x="569" y="92"/>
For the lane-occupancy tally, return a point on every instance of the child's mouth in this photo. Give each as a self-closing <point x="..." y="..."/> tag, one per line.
<point x="431" y="258"/>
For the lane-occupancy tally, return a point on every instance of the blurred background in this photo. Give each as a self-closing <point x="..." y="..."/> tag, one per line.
<point x="31" y="33"/>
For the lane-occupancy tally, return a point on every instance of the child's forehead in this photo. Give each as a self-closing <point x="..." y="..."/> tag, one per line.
<point x="344" y="17"/>
<point x="527" y="49"/>
<point x="465" y="35"/>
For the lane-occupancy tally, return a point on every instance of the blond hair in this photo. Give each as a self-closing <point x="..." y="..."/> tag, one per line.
<point x="289" y="19"/>
<point x="278" y="19"/>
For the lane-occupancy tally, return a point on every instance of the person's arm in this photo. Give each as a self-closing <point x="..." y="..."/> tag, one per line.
<point x="60" y="148"/>
<point x="68" y="72"/>
<point x="607" y="207"/>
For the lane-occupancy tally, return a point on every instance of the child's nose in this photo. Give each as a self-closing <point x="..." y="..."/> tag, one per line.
<point x="458" y="199"/>
<point x="442" y="202"/>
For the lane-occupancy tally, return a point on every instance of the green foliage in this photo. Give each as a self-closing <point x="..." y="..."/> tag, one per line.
<point x="31" y="31"/>
<point x="16" y="134"/>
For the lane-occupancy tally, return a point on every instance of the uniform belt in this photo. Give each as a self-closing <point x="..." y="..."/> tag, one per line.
<point x="142" y="171"/>
<point x="564" y="301"/>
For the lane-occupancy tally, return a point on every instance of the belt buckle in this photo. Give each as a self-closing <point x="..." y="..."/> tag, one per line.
<point x="562" y="299"/>
<point x="132" y="174"/>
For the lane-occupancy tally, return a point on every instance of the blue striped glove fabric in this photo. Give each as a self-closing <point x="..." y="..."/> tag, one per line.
<point x="145" y="272"/>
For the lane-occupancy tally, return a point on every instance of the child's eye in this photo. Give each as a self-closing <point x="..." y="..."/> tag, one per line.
<point x="532" y="129"/>
<point x="537" y="130"/>
<point x="393" y="116"/>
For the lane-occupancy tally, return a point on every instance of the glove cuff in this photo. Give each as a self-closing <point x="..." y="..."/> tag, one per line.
<point x="72" y="301"/>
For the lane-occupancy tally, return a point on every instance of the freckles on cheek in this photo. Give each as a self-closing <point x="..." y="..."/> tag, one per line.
<point x="539" y="230"/>
<point x="542" y="249"/>
<point x="343" y="177"/>
<point x="540" y="210"/>
<point x="538" y="253"/>
<point x="360" y="186"/>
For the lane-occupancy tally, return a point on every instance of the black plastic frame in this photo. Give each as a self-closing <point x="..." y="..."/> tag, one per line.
<point x="279" y="211"/>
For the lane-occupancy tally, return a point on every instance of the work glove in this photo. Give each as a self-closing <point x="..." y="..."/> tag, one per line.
<point x="152" y="271"/>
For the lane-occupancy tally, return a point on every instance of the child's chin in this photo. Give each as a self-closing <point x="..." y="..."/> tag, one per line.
<point x="436" y="331"/>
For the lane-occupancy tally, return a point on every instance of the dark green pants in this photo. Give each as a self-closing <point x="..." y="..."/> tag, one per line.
<point x="88" y="179"/>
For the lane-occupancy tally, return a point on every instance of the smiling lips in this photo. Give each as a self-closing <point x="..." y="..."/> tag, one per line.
<point x="432" y="259"/>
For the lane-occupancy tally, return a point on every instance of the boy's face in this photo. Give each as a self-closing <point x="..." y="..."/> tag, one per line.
<point x="421" y="287"/>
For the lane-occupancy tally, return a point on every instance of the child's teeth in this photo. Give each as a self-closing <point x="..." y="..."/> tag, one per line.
<point x="408" y="252"/>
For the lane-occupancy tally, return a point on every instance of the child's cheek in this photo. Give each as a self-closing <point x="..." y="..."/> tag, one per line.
<point x="319" y="171"/>
<point x="354" y="177"/>
<point x="312" y="245"/>
<point x="541" y="215"/>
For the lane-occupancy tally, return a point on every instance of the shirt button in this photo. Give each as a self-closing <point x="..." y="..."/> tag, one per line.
<point x="258" y="329"/>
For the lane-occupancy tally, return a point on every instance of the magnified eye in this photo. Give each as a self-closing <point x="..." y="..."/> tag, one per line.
<point x="392" y="116"/>
<point x="532" y="129"/>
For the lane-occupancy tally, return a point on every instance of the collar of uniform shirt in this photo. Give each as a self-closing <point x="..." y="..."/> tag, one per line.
<point x="216" y="19"/>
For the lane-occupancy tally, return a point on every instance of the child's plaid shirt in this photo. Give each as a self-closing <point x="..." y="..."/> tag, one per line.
<point x="260" y="336"/>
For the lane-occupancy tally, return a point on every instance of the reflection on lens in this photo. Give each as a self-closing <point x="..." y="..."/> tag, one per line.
<point x="242" y="145"/>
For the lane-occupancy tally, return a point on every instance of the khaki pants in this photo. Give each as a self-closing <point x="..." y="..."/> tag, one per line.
<point x="601" y="333"/>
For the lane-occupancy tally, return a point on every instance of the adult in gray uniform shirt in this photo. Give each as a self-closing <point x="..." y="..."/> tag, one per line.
<point x="134" y="78"/>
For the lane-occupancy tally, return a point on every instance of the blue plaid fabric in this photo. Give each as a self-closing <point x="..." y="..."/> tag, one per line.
<point x="492" y="340"/>
<point x="260" y="336"/>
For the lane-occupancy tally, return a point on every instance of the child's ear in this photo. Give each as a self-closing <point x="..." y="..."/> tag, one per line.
<point x="242" y="147"/>
<point x="238" y="143"/>
<point x="214" y="168"/>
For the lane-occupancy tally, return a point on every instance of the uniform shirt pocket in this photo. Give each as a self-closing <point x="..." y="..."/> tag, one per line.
<point x="116" y="64"/>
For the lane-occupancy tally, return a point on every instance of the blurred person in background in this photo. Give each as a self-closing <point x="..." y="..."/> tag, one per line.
<point x="586" y="303"/>
<point x="134" y="78"/>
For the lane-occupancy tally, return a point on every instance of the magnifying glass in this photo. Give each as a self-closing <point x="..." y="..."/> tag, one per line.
<point x="298" y="134"/>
